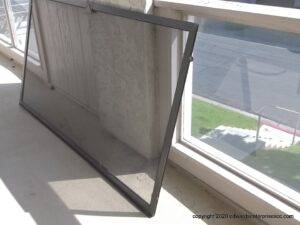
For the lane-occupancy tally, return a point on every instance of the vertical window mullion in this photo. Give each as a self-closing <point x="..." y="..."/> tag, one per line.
<point x="186" y="119"/>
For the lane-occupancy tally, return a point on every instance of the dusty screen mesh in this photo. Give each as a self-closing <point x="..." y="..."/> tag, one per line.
<point x="92" y="78"/>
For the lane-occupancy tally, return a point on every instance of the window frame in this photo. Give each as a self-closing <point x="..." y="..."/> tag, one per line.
<point x="11" y="26"/>
<point x="265" y="182"/>
<point x="9" y="40"/>
<point x="197" y="159"/>
<point x="12" y="51"/>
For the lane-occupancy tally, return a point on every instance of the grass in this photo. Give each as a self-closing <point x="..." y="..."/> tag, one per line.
<point x="280" y="164"/>
<point x="206" y="117"/>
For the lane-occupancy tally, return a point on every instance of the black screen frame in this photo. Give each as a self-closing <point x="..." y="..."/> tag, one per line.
<point x="192" y="29"/>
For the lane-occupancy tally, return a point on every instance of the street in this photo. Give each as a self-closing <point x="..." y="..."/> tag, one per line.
<point x="249" y="68"/>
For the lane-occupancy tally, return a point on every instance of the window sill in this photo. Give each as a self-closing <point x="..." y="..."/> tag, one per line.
<point x="11" y="52"/>
<point x="243" y="193"/>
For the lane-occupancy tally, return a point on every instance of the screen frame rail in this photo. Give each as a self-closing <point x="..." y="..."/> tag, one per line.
<point x="192" y="29"/>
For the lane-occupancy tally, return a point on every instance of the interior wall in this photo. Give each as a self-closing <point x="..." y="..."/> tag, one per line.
<point x="89" y="77"/>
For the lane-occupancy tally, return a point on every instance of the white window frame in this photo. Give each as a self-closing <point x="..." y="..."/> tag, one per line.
<point x="224" y="173"/>
<point x="11" y="26"/>
<point x="8" y="48"/>
<point x="11" y="51"/>
<point x="285" y="193"/>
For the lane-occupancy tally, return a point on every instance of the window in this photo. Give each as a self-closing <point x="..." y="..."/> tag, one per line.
<point x="19" y="14"/>
<point x="33" y="45"/>
<point x="13" y="24"/>
<point x="242" y="104"/>
<point x="5" y="34"/>
<point x="13" y="30"/>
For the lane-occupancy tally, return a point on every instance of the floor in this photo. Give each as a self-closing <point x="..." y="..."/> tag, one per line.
<point x="42" y="181"/>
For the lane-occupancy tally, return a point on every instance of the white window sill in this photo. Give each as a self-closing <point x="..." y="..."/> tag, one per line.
<point x="11" y="52"/>
<point x="243" y="193"/>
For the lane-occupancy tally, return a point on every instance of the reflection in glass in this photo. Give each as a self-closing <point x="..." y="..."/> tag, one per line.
<point x="246" y="87"/>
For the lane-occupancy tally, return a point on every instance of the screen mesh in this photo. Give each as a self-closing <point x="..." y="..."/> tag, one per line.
<point x="97" y="85"/>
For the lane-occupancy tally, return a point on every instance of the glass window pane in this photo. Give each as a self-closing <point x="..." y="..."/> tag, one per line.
<point x="4" y="29"/>
<point x="19" y="11"/>
<point x="246" y="88"/>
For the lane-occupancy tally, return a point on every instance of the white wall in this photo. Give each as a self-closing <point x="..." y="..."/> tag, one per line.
<point x="118" y="81"/>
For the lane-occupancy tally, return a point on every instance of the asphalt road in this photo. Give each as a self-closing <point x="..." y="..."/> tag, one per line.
<point x="249" y="68"/>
